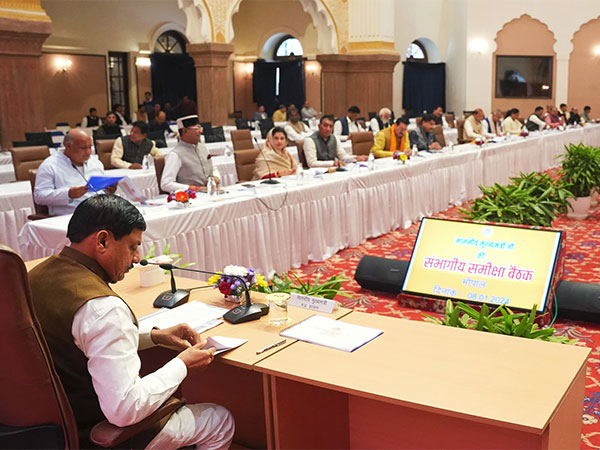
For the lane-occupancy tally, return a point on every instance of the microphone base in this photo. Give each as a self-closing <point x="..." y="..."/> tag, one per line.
<point x="340" y="169"/>
<point x="244" y="313"/>
<point x="269" y="181"/>
<point x="170" y="299"/>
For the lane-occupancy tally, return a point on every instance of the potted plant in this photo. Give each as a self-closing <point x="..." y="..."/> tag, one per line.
<point x="580" y="173"/>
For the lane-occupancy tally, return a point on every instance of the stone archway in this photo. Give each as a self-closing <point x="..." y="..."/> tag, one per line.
<point x="584" y="61"/>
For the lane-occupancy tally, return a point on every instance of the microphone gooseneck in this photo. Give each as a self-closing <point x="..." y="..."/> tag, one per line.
<point x="270" y="180"/>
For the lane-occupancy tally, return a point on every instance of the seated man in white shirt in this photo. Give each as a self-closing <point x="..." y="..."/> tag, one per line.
<point x="322" y="148"/>
<point x="308" y="112"/>
<point x="473" y="128"/>
<point x="128" y="151"/>
<point x="295" y="129"/>
<point x="381" y="121"/>
<point x="535" y="121"/>
<point x="94" y="338"/>
<point x="61" y="180"/>
<point x="492" y="124"/>
<point x="348" y="124"/>
<point x="188" y="165"/>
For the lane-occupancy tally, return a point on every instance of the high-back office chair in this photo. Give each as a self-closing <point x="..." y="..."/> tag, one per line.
<point x="438" y="131"/>
<point x="26" y="158"/>
<point x="301" y="155"/>
<point x="242" y="140"/>
<point x="158" y="137"/>
<point x="45" y="136"/>
<point x="41" y="211"/>
<point x="362" y="142"/>
<point x="460" y="128"/>
<point x="244" y="163"/>
<point x="242" y="124"/>
<point x="265" y="126"/>
<point x="104" y="150"/>
<point x="159" y="167"/>
<point x="215" y="134"/>
<point x="35" y="411"/>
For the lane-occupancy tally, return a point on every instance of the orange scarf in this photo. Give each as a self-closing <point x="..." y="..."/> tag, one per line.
<point x="393" y="140"/>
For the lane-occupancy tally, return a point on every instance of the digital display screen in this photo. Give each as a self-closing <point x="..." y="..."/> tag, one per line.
<point x="483" y="263"/>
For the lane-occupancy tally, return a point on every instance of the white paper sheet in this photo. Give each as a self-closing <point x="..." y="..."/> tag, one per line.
<point x="331" y="333"/>
<point x="197" y="315"/>
<point x="223" y="343"/>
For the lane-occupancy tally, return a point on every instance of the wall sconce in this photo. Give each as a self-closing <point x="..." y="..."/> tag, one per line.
<point x="312" y="68"/>
<point x="248" y="69"/>
<point x="142" y="61"/>
<point x="478" y="46"/>
<point x="545" y="87"/>
<point x="596" y="50"/>
<point x="63" y="64"/>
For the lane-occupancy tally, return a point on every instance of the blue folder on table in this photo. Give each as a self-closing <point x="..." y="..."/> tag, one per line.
<point x="99" y="183"/>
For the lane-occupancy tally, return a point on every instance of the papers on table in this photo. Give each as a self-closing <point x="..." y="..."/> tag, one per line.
<point x="331" y="333"/>
<point x="132" y="192"/>
<point x="198" y="315"/>
<point x="98" y="183"/>
<point x="223" y="344"/>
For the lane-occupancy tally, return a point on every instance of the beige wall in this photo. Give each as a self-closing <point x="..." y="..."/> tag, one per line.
<point x="584" y="67"/>
<point x="67" y="96"/>
<point x="516" y="38"/>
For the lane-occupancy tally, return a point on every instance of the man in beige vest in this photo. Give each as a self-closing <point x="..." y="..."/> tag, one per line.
<point x="473" y="128"/>
<point x="93" y="334"/>
<point x="188" y="165"/>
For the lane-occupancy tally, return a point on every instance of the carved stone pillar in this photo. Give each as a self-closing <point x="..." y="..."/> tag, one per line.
<point x="21" y="107"/>
<point x="211" y="61"/>
<point x="362" y="80"/>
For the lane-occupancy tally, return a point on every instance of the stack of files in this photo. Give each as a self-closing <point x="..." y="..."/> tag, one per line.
<point x="198" y="315"/>
<point x="331" y="333"/>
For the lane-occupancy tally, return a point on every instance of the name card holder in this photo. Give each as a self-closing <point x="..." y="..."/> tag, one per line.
<point x="313" y="303"/>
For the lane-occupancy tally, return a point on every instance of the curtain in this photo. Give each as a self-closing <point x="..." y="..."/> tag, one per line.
<point x="424" y="87"/>
<point x="173" y="77"/>
<point x="291" y="84"/>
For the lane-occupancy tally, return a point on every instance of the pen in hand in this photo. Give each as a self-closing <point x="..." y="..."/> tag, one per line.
<point x="269" y="347"/>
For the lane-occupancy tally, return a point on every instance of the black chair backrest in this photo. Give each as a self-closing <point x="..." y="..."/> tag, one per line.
<point x="216" y="135"/>
<point x="62" y="124"/>
<point x="242" y="124"/>
<point x="372" y="115"/>
<point x="44" y="136"/>
<point x="206" y="126"/>
<point x="34" y="143"/>
<point x="158" y="137"/>
<point x="265" y="126"/>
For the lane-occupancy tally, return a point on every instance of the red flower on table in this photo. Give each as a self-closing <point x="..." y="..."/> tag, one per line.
<point x="225" y="288"/>
<point x="182" y="196"/>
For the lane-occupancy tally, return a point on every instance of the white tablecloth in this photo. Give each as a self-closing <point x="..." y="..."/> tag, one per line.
<point x="5" y="158"/>
<point x="280" y="227"/>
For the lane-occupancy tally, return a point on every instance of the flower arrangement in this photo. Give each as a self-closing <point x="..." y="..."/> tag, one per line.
<point x="524" y="133"/>
<point x="401" y="156"/>
<point x="479" y="141"/>
<point x="230" y="286"/>
<point x="181" y="196"/>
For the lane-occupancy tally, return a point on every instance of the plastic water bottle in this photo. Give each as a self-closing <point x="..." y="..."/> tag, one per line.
<point x="415" y="150"/>
<point x="145" y="162"/>
<point x="371" y="162"/>
<point x="150" y="162"/>
<point x="451" y="146"/>
<point x="299" y="173"/>
<point x="211" y="189"/>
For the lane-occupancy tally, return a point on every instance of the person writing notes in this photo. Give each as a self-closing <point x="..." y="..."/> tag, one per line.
<point x="423" y="136"/>
<point x="94" y="338"/>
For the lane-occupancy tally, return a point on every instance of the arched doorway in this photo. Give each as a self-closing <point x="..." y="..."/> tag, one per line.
<point x="173" y="72"/>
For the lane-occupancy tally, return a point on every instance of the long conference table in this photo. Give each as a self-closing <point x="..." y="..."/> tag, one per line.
<point x="273" y="228"/>
<point x="418" y="385"/>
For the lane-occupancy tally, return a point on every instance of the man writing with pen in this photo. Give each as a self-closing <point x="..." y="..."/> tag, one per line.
<point x="62" y="179"/>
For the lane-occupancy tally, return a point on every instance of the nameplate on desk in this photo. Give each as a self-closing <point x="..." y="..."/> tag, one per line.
<point x="313" y="303"/>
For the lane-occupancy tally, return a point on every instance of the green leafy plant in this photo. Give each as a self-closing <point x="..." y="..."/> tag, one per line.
<point x="328" y="289"/>
<point x="580" y="169"/>
<point x="531" y="199"/>
<point x="174" y="257"/>
<point x="501" y="320"/>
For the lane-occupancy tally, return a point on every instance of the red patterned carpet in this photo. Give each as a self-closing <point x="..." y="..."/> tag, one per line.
<point x="582" y="264"/>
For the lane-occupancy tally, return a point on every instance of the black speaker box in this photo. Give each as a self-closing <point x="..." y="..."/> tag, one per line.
<point x="578" y="301"/>
<point x="381" y="274"/>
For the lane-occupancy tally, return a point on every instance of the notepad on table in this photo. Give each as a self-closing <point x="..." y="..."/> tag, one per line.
<point x="200" y="316"/>
<point x="331" y="333"/>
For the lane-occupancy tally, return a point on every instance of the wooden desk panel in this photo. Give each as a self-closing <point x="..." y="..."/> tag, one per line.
<point x="514" y="386"/>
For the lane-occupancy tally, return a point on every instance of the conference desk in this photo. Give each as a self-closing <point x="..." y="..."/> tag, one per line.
<point x="418" y="385"/>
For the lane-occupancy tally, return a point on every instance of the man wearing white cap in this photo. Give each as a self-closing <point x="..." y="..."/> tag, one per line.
<point x="188" y="165"/>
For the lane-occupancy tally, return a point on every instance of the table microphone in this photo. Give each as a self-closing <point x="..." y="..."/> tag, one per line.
<point x="172" y="298"/>
<point x="338" y="168"/>
<point x="241" y="313"/>
<point x="270" y="180"/>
